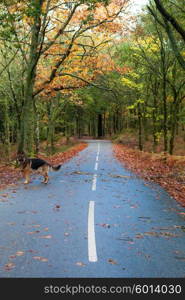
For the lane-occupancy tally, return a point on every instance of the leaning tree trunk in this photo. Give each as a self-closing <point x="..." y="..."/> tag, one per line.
<point x="27" y="119"/>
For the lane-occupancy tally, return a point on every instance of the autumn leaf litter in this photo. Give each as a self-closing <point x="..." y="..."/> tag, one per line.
<point x="168" y="171"/>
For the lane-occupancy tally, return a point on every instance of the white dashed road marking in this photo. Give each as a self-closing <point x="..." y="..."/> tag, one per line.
<point x="96" y="166"/>
<point x="94" y="182"/>
<point x="91" y="234"/>
<point x="91" y="230"/>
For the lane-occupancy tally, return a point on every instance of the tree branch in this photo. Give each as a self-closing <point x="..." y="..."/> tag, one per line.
<point x="171" y="37"/>
<point x="170" y="18"/>
<point x="61" y="30"/>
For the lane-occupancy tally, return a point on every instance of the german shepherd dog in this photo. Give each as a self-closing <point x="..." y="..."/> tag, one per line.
<point x="29" y="165"/>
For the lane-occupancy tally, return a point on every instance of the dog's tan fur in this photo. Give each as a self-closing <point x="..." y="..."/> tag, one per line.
<point x="30" y="165"/>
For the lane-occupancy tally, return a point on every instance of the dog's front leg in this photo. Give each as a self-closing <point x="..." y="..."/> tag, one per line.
<point x="46" y="178"/>
<point x="26" y="176"/>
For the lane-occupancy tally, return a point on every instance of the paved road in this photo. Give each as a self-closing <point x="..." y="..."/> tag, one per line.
<point x="93" y="219"/>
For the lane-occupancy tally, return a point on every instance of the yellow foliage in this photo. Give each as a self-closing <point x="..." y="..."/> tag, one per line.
<point x="149" y="44"/>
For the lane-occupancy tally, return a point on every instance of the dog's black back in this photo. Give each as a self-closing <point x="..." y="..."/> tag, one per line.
<point x="36" y="163"/>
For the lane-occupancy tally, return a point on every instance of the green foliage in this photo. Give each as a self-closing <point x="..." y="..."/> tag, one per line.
<point x="143" y="95"/>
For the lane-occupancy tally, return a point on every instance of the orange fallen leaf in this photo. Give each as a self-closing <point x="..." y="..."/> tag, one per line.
<point x="112" y="261"/>
<point x="4" y="195"/>
<point x="40" y="258"/>
<point x="19" y="253"/>
<point x="12" y="256"/>
<point x="80" y="264"/>
<point x="9" y="266"/>
<point x="46" y="236"/>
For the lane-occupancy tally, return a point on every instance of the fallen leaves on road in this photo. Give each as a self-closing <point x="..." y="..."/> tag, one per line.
<point x="163" y="234"/>
<point x="104" y="225"/>
<point x="4" y="195"/>
<point x="112" y="261"/>
<point x="49" y="236"/>
<point x="19" y="253"/>
<point x="33" y="232"/>
<point x="57" y="207"/>
<point x="139" y="236"/>
<point x="27" y="211"/>
<point x="168" y="170"/>
<point x="156" y="234"/>
<point x="180" y="258"/>
<point x="40" y="258"/>
<point x="9" y="176"/>
<point x="81" y="173"/>
<point x="11" y="223"/>
<point x="3" y="200"/>
<point x="31" y="251"/>
<point x="9" y="266"/>
<point x="119" y="176"/>
<point x="66" y="233"/>
<point x="35" y="225"/>
<point x="12" y="256"/>
<point x="80" y="264"/>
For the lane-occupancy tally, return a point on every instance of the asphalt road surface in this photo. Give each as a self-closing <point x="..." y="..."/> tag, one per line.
<point x="93" y="219"/>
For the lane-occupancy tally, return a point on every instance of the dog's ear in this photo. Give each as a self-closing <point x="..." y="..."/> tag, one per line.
<point x="20" y="153"/>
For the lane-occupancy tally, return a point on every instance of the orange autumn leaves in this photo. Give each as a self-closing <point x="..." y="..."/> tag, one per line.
<point x="81" y="51"/>
<point x="73" y="40"/>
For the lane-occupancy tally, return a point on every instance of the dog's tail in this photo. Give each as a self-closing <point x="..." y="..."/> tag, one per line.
<point x="56" y="168"/>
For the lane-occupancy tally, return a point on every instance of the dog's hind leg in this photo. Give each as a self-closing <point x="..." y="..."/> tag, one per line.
<point x="45" y="174"/>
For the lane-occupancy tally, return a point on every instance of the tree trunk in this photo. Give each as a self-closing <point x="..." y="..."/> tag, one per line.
<point x="165" y="114"/>
<point x="140" y="127"/>
<point x="100" y="126"/>
<point x="7" y="131"/>
<point x="154" y="118"/>
<point x="27" y="128"/>
<point x="174" y="113"/>
<point x="37" y="133"/>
